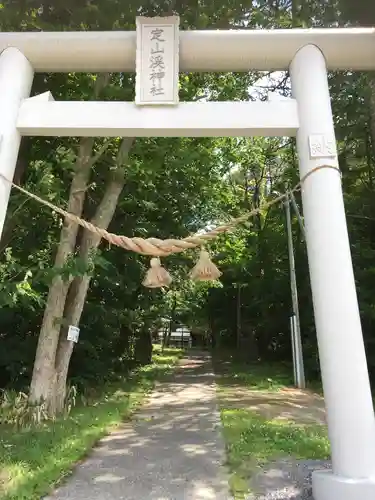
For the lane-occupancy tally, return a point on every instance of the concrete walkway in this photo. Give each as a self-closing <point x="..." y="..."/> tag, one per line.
<point x="172" y="450"/>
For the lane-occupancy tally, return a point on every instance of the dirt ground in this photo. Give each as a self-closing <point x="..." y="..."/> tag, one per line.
<point x="295" y="405"/>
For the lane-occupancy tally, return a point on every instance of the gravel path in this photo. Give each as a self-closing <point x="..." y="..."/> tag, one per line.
<point x="286" y="480"/>
<point x="173" y="449"/>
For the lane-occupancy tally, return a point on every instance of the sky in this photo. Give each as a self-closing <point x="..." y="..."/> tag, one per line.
<point x="268" y="81"/>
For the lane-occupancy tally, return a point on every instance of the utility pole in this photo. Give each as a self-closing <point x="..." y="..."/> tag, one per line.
<point x="299" y="217"/>
<point x="295" y="322"/>
<point x="238" y="317"/>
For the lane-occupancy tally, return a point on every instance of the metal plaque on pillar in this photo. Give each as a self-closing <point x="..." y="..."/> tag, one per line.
<point x="322" y="146"/>
<point x="157" y="61"/>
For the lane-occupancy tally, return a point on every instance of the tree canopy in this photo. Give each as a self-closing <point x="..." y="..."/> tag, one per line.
<point x="54" y="274"/>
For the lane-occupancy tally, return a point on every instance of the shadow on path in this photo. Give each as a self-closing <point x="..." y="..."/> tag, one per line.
<point x="172" y="450"/>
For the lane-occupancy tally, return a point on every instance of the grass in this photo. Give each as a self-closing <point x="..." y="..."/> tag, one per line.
<point x="251" y="439"/>
<point x="257" y="377"/>
<point x="34" y="459"/>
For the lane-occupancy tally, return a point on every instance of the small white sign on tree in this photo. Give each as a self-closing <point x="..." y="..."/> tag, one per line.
<point x="157" y="60"/>
<point x="73" y="333"/>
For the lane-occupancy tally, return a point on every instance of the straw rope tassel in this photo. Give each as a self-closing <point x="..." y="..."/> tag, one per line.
<point x="205" y="269"/>
<point x="157" y="276"/>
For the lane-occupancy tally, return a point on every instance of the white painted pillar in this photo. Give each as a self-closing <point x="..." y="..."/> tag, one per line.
<point x="350" y="413"/>
<point x="16" y="77"/>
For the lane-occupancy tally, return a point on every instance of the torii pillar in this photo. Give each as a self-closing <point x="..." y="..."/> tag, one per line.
<point x="348" y="399"/>
<point x="16" y="78"/>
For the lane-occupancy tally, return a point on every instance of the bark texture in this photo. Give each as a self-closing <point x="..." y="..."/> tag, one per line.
<point x="80" y="285"/>
<point x="44" y="382"/>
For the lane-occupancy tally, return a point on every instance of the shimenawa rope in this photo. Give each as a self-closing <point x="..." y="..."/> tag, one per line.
<point x="154" y="246"/>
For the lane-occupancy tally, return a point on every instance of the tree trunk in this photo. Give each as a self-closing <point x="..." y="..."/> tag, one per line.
<point x="143" y="346"/>
<point x="167" y="337"/>
<point x="44" y="365"/>
<point x="371" y="84"/>
<point x="43" y="379"/>
<point x="79" y="287"/>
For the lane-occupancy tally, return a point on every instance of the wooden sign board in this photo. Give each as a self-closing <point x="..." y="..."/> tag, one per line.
<point x="157" y="60"/>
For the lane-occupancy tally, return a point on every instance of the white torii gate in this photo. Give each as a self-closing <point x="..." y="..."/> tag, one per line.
<point x="307" y="54"/>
